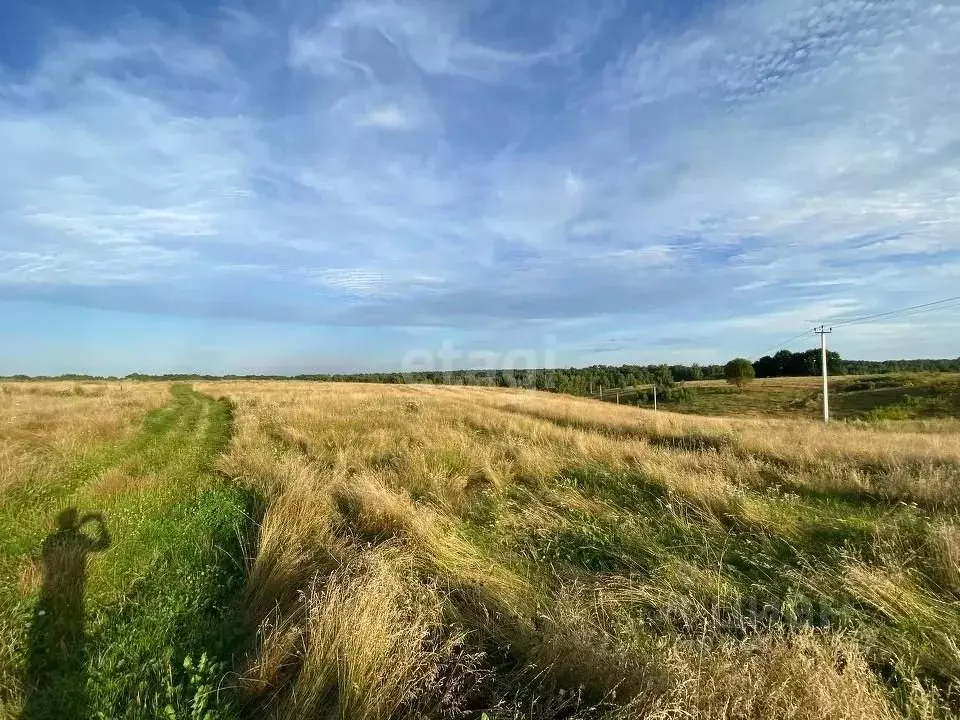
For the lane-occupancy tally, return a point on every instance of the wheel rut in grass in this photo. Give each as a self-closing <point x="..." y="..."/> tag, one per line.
<point x="119" y="586"/>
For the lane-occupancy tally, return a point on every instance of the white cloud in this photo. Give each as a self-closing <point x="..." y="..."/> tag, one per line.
<point x="427" y="34"/>
<point x="124" y="264"/>
<point x="389" y="117"/>
<point x="365" y="283"/>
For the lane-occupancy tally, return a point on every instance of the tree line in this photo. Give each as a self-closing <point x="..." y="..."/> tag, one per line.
<point x="807" y="362"/>
<point x="578" y="381"/>
<point x="798" y="364"/>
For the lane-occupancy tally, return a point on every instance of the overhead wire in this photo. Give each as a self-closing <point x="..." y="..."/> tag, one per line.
<point x="901" y="315"/>
<point x="783" y="343"/>
<point x="909" y="311"/>
<point x="935" y="305"/>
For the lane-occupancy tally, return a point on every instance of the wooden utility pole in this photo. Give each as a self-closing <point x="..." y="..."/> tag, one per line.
<point x="823" y="332"/>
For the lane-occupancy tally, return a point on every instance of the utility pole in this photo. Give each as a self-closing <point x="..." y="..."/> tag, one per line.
<point x="618" y="396"/>
<point x="654" y="396"/>
<point x="823" y="332"/>
<point x="601" y="392"/>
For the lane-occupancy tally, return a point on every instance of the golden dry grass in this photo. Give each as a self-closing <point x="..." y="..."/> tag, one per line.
<point x="41" y="423"/>
<point x="945" y="548"/>
<point x="802" y="676"/>
<point x="431" y="552"/>
<point x="530" y="555"/>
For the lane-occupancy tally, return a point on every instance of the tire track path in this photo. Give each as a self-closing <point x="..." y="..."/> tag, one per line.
<point x="118" y="586"/>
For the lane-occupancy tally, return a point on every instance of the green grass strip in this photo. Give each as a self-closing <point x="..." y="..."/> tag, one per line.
<point x="137" y="615"/>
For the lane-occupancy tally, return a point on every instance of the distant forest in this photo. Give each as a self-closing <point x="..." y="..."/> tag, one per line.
<point x="582" y="381"/>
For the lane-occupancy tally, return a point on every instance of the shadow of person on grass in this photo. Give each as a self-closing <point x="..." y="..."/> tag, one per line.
<point x="56" y="664"/>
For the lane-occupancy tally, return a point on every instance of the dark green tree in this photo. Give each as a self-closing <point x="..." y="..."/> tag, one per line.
<point x="662" y="377"/>
<point x="739" y="372"/>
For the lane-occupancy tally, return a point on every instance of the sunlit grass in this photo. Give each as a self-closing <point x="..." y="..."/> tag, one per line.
<point x="346" y="551"/>
<point x="590" y="560"/>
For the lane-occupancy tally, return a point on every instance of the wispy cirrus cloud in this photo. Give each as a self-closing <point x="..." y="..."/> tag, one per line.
<point x="385" y="163"/>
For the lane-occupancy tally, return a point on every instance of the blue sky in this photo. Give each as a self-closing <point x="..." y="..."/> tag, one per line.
<point x="307" y="185"/>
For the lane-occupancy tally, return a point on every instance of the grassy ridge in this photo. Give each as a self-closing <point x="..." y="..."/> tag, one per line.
<point x="895" y="396"/>
<point x="157" y="613"/>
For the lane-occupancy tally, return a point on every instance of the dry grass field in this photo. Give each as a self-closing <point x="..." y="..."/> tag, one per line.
<point x="304" y="550"/>
<point x="43" y="422"/>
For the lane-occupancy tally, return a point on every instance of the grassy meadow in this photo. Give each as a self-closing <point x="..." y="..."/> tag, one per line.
<point x="892" y="396"/>
<point x="303" y="550"/>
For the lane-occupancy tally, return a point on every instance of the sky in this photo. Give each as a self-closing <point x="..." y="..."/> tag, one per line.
<point x="311" y="186"/>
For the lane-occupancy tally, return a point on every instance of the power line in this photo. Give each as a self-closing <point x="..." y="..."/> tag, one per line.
<point x="902" y="313"/>
<point x="859" y="320"/>
<point x="782" y="343"/>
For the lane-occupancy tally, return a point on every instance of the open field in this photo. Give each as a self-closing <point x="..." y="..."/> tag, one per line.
<point x="305" y="550"/>
<point x="893" y="396"/>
